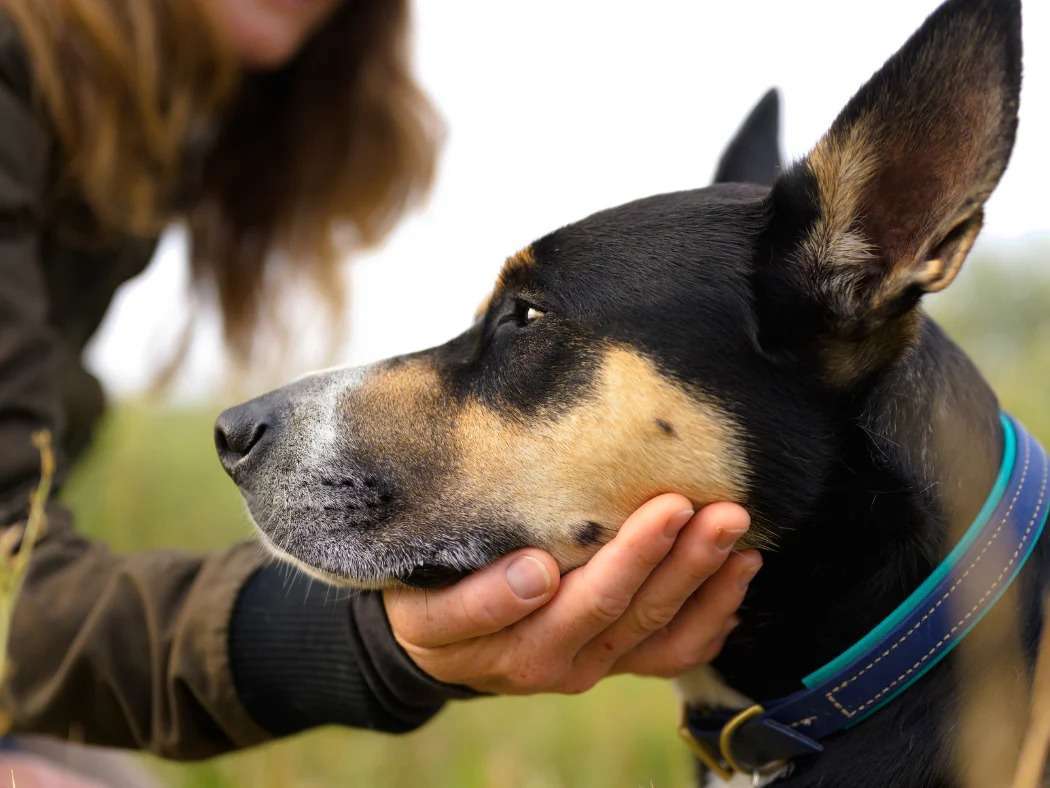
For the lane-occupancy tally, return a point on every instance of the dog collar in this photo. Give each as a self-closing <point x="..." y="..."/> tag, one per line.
<point x="762" y="740"/>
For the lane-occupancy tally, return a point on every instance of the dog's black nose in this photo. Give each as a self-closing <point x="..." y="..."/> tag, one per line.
<point x="242" y="431"/>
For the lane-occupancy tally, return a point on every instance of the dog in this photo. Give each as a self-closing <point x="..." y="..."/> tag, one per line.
<point x="761" y="341"/>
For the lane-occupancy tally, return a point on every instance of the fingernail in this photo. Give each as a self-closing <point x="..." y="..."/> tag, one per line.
<point x="747" y="574"/>
<point x="731" y="624"/>
<point x="528" y="578"/>
<point x="727" y="537"/>
<point x="677" y="521"/>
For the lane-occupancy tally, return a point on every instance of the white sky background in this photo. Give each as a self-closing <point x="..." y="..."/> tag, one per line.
<point x="556" y="109"/>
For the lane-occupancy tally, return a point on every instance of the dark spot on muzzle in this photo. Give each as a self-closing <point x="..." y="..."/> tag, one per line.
<point x="665" y="427"/>
<point x="589" y="533"/>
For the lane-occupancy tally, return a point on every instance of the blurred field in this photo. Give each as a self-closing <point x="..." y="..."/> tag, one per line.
<point x="152" y="480"/>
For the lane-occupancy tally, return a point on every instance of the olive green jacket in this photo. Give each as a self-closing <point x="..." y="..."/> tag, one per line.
<point x="163" y="650"/>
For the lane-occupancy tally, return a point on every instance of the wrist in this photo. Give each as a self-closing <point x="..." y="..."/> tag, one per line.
<point x="301" y="658"/>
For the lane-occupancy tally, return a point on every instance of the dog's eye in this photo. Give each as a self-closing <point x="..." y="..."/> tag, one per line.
<point x="523" y="314"/>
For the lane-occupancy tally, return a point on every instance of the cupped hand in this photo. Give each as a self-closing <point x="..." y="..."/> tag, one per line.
<point x="657" y="600"/>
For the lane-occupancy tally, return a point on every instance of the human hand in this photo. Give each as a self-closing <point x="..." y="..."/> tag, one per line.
<point x="657" y="600"/>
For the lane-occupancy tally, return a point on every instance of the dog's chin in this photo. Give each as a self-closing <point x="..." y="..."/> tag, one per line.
<point x="363" y="567"/>
<point x="331" y="578"/>
<point x="424" y="576"/>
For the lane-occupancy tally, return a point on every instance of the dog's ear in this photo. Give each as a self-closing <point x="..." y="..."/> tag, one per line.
<point x="753" y="155"/>
<point x="888" y="204"/>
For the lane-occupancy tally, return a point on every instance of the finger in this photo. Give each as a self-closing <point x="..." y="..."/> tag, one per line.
<point x="697" y="633"/>
<point x="597" y="594"/>
<point x="700" y="550"/>
<point x="483" y="603"/>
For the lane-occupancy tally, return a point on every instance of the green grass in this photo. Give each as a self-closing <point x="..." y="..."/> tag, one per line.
<point x="152" y="480"/>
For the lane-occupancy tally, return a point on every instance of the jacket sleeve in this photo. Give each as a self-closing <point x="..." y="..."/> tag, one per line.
<point x="122" y="650"/>
<point x="139" y="650"/>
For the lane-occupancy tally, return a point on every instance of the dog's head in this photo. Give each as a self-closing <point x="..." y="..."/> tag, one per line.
<point x="699" y="342"/>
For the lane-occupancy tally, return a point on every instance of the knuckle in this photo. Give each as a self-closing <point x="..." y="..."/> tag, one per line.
<point x="609" y="607"/>
<point x="701" y="560"/>
<point x="652" y="555"/>
<point x="653" y="617"/>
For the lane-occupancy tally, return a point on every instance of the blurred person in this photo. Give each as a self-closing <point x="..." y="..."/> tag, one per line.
<point x="270" y="127"/>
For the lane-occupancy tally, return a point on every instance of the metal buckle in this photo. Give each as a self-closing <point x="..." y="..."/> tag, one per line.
<point x="723" y="763"/>
<point x="707" y="756"/>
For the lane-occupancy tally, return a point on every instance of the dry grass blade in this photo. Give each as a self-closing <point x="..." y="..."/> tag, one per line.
<point x="16" y="544"/>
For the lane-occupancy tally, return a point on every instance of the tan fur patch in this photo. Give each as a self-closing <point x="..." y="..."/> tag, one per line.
<point x="843" y="164"/>
<point x="848" y="361"/>
<point x="601" y="459"/>
<point x="403" y="413"/>
<point x="515" y="266"/>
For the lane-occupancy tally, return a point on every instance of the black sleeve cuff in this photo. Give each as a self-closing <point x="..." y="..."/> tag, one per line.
<point x="303" y="654"/>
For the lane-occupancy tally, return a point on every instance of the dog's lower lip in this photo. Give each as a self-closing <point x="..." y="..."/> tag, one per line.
<point x="433" y="576"/>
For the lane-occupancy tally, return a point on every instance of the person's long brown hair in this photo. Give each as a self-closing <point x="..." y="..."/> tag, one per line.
<point x="334" y="144"/>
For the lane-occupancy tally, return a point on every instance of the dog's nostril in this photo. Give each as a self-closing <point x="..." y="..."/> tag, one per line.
<point x="238" y="432"/>
<point x="238" y="439"/>
<point x="221" y="444"/>
<point x="256" y="436"/>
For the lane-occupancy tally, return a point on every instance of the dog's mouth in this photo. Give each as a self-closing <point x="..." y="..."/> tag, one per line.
<point x="433" y="576"/>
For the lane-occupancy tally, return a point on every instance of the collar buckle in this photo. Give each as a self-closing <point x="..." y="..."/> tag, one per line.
<point x="723" y="762"/>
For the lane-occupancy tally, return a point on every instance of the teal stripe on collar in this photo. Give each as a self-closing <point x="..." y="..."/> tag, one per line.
<point x="865" y="644"/>
<point x="966" y="631"/>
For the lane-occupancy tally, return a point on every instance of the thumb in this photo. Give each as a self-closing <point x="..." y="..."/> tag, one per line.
<point x="487" y="601"/>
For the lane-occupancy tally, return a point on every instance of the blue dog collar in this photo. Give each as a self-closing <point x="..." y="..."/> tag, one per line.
<point x="925" y="627"/>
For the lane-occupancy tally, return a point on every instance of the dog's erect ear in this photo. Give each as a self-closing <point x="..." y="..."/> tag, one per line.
<point x="753" y="155"/>
<point x="888" y="204"/>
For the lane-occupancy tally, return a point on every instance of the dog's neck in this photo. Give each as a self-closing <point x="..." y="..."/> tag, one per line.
<point x="934" y="422"/>
<point x="919" y="455"/>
